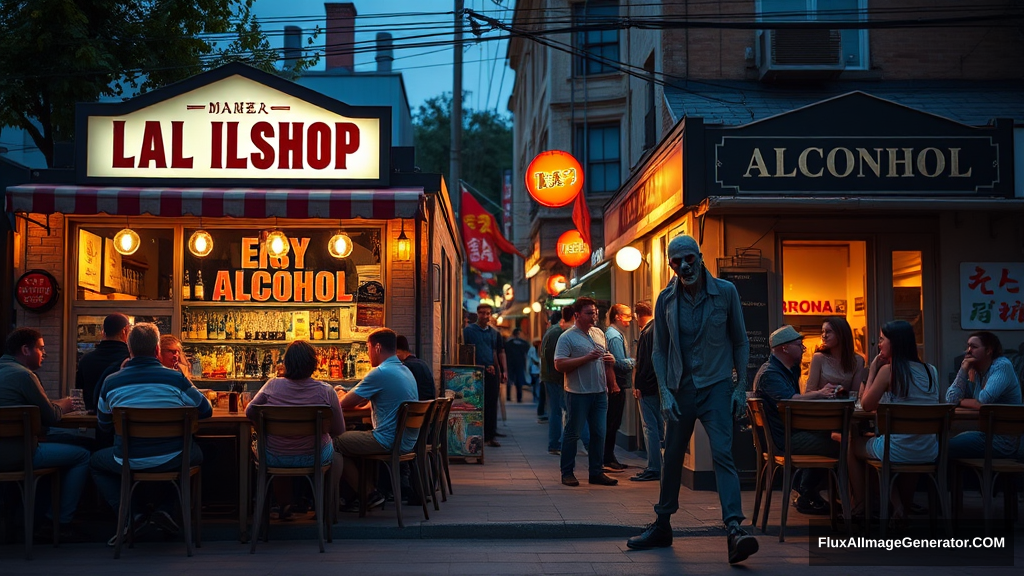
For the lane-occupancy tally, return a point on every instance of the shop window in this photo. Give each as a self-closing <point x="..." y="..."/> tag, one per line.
<point x="854" y="42"/>
<point x="597" y="50"/>
<point x="599" y="144"/>
<point x="906" y="293"/>
<point x="89" y="330"/>
<point x="822" y="279"/>
<point x="104" y="274"/>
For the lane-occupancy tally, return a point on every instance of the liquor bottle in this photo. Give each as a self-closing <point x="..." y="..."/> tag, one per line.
<point x="267" y="367"/>
<point x="186" y="288"/>
<point x="362" y="365"/>
<point x="335" y="365"/>
<point x="204" y="329"/>
<point x="239" y="363"/>
<point x="332" y="326"/>
<point x="193" y="330"/>
<point x="229" y="326"/>
<point x="198" y="292"/>
<point x="318" y="328"/>
<point x="252" y="366"/>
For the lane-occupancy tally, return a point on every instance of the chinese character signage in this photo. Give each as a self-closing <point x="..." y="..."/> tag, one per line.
<point x="990" y="295"/>
<point x="483" y="238"/>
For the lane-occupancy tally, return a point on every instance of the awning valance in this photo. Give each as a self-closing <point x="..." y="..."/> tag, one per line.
<point x="215" y="202"/>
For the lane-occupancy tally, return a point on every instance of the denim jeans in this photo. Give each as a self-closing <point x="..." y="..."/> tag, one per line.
<point x="972" y="445"/>
<point x="592" y="409"/>
<point x="556" y="412"/>
<point x="654" y="430"/>
<point x="106" y="473"/>
<point x="539" y="394"/>
<point x="713" y="406"/>
<point x="74" y="463"/>
<point x="300" y="460"/>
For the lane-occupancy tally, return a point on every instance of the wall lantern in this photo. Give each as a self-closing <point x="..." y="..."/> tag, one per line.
<point x="126" y="242"/>
<point x="628" y="259"/>
<point x="340" y="245"/>
<point x="536" y="307"/>
<point x="404" y="245"/>
<point x="556" y="284"/>
<point x="277" y="244"/>
<point x="200" y="243"/>
<point x="571" y="249"/>
<point x="554" y="178"/>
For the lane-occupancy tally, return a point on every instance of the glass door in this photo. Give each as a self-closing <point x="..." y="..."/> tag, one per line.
<point x="906" y="285"/>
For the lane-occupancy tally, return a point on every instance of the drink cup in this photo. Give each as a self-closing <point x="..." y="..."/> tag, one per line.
<point x="77" y="400"/>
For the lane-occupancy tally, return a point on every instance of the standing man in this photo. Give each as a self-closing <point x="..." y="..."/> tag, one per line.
<point x="516" y="351"/>
<point x="552" y="380"/>
<point x="645" y="390"/>
<point x="699" y="341"/>
<point x="619" y="318"/>
<point x="490" y="356"/>
<point x="582" y="355"/>
<point x="420" y="370"/>
<point x="112" y="350"/>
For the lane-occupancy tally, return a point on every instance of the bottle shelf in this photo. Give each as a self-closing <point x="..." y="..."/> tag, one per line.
<point x="263" y="305"/>
<point x="343" y="382"/>
<point x="268" y="342"/>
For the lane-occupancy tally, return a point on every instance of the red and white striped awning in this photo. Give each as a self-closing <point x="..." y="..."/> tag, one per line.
<point x="215" y="202"/>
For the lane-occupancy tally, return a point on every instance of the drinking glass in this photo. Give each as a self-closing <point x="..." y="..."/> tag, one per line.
<point x="77" y="400"/>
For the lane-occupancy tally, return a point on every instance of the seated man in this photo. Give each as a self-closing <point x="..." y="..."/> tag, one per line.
<point x="985" y="377"/>
<point x="145" y="383"/>
<point x="779" y="379"/>
<point x="385" y="387"/>
<point x="111" y="351"/>
<point x="19" y="386"/>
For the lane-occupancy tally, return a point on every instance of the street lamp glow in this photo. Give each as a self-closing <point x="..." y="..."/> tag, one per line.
<point x="536" y="306"/>
<point x="628" y="259"/>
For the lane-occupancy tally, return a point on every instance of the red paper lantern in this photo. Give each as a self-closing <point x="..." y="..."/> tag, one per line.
<point x="556" y="284"/>
<point x="572" y="250"/>
<point x="554" y="178"/>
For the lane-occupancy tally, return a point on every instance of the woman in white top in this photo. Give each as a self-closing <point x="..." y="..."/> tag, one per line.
<point x="835" y="362"/>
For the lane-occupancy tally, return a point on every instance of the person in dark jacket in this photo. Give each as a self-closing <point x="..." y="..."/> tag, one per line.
<point x="645" y="390"/>
<point x="112" y="350"/>
<point x="420" y="370"/>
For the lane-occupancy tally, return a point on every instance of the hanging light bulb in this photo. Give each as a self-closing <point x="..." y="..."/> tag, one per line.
<point x="200" y="243"/>
<point x="126" y="242"/>
<point x="536" y="307"/>
<point x="404" y="245"/>
<point x="277" y="244"/>
<point x="340" y="245"/>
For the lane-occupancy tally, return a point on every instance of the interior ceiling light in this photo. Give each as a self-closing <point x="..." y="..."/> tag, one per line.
<point x="200" y="243"/>
<point x="340" y="245"/>
<point x="126" y="242"/>
<point x="277" y="244"/>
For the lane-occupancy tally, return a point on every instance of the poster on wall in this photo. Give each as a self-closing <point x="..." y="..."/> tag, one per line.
<point x="370" y="304"/>
<point x="111" y="265"/>
<point x="990" y="295"/>
<point x="90" y="260"/>
<point x="464" y="384"/>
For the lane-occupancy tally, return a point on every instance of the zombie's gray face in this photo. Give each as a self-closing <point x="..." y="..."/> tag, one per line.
<point x="685" y="259"/>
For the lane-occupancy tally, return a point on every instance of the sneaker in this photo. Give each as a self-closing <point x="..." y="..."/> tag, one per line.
<point x="139" y="522"/>
<point x="555" y="452"/>
<point x="810" y="505"/>
<point x="603" y="480"/>
<point x="613" y="469"/>
<point x="741" y="544"/>
<point x="165" y="522"/>
<point x="374" y="500"/>
<point x="646" y="476"/>
<point x="570" y="480"/>
<point x="653" y="536"/>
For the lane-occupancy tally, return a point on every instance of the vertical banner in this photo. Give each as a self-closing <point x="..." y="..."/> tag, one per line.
<point x="506" y="202"/>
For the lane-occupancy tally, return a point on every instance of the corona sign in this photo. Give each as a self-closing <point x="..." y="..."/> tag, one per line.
<point x="571" y="248"/>
<point x="556" y="284"/>
<point x="554" y="178"/>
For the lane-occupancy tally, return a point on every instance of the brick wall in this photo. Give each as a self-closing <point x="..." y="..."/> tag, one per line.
<point x="45" y="250"/>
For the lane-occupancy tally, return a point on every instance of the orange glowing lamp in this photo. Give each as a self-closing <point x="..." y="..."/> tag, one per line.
<point x="571" y="248"/>
<point x="554" y="178"/>
<point x="556" y="284"/>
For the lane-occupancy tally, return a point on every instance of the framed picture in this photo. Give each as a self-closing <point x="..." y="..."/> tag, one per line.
<point x="90" y="260"/>
<point x="111" y="265"/>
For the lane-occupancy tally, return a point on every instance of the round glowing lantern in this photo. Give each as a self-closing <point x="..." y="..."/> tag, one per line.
<point x="556" y="284"/>
<point x="571" y="248"/>
<point x="554" y="178"/>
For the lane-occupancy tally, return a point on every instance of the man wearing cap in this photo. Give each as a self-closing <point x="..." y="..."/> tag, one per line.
<point x="779" y="379"/>
<point x="699" y="341"/>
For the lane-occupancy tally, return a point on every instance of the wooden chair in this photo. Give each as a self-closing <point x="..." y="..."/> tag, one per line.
<point x="410" y="415"/>
<point x="437" y="462"/>
<point x="912" y="419"/>
<point x="21" y="423"/>
<point x="311" y="421"/>
<point x="765" y="448"/>
<point x="817" y="416"/>
<point x="133" y="424"/>
<point x="993" y="420"/>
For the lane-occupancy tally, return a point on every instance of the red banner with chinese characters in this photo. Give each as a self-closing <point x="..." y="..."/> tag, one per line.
<point x="482" y="237"/>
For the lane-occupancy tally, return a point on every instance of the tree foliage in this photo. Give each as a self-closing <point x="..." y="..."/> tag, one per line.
<point x="56" y="53"/>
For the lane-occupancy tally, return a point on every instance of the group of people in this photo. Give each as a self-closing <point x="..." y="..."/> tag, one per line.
<point x="136" y="366"/>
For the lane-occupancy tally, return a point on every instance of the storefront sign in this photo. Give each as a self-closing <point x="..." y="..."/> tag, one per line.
<point x="36" y="291"/>
<point x="811" y="307"/>
<point x="556" y="284"/>
<point x="597" y="257"/>
<point x="506" y="202"/>
<point x="532" y="263"/>
<point x="571" y="248"/>
<point x="370" y="304"/>
<point x="645" y="204"/>
<point x="554" y="178"/>
<point x="243" y="126"/>
<point x="753" y="290"/>
<point x="991" y="297"/>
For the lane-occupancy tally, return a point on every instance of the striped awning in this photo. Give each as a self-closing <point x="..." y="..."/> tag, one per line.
<point x="385" y="203"/>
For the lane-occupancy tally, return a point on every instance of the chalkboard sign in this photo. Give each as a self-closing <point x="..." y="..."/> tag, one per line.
<point x="753" y="289"/>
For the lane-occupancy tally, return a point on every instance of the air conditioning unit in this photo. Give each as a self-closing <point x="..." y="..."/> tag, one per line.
<point x="799" y="54"/>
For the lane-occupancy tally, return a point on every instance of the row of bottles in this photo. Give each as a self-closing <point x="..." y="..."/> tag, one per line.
<point x="251" y="363"/>
<point x="190" y="292"/>
<point x="257" y="326"/>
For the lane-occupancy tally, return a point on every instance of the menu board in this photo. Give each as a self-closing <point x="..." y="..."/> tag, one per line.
<point x="753" y="289"/>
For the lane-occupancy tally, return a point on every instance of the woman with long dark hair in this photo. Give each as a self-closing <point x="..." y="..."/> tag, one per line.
<point x="835" y="362"/>
<point x="896" y="376"/>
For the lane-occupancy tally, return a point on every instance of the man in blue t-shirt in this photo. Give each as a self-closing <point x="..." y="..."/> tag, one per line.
<point x="490" y="355"/>
<point x="385" y="387"/>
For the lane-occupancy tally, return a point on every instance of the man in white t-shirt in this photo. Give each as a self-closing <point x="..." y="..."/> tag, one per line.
<point x="581" y="355"/>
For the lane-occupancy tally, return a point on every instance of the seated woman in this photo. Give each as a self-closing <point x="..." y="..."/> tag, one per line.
<point x="985" y="377"/>
<point x="835" y="362"/>
<point x="895" y="376"/>
<point x="297" y="388"/>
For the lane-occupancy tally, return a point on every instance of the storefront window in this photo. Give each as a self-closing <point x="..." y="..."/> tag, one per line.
<point x="103" y="273"/>
<point x="906" y="293"/>
<point x="89" y="330"/>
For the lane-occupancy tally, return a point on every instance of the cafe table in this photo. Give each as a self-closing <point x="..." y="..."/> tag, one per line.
<point x="964" y="419"/>
<point x="222" y="424"/>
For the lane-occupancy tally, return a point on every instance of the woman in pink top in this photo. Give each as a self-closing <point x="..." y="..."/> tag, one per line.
<point x="835" y="362"/>
<point x="297" y="388"/>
